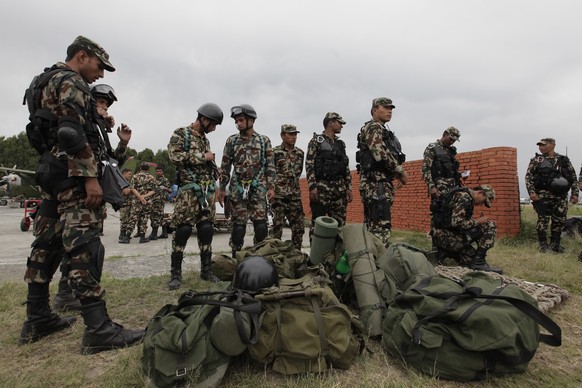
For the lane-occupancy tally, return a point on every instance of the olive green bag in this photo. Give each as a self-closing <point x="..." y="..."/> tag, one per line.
<point x="304" y="327"/>
<point x="466" y="329"/>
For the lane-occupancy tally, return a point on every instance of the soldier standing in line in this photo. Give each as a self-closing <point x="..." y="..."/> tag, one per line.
<point x="440" y="168"/>
<point x="145" y="184"/>
<point x="127" y="212"/>
<point x="548" y="179"/>
<point x="328" y="172"/>
<point x="158" y="201"/>
<point x="189" y="149"/>
<point x="380" y="161"/>
<point x="455" y="228"/>
<point x="287" y="202"/>
<point x="250" y="157"/>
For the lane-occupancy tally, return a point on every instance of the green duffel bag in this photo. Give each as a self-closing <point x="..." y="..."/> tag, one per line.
<point x="466" y="330"/>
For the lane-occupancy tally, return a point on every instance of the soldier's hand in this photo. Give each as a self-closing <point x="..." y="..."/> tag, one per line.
<point x="209" y="156"/>
<point x="574" y="199"/>
<point x="124" y="134"/>
<point x="434" y="193"/>
<point x="270" y="195"/>
<point x="349" y="196"/>
<point x="94" y="193"/>
<point x="482" y="219"/>
<point x="314" y="195"/>
<point x="402" y="180"/>
<point x="220" y="197"/>
<point x="534" y="197"/>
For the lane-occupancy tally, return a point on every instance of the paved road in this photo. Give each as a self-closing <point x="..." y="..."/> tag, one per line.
<point x="122" y="260"/>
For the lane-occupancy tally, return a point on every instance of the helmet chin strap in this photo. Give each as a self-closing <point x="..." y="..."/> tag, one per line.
<point x="204" y="127"/>
<point x="246" y="128"/>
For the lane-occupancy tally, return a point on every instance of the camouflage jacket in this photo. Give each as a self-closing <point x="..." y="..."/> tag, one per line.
<point x="440" y="168"/>
<point x="313" y="148"/>
<point x="162" y="189"/>
<point x="143" y="182"/>
<point x="535" y="178"/>
<point x="289" y="166"/>
<point x="372" y="135"/>
<point x="462" y="207"/>
<point x="186" y="150"/>
<point x="249" y="159"/>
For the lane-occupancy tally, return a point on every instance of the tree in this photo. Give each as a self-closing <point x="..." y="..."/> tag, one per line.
<point x="15" y="150"/>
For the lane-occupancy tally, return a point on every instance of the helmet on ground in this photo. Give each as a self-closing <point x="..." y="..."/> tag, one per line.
<point x="104" y="91"/>
<point x="254" y="274"/>
<point x="559" y="186"/>
<point x="211" y="111"/>
<point x="244" y="109"/>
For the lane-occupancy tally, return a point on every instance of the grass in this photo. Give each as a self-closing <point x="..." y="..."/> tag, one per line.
<point x="55" y="360"/>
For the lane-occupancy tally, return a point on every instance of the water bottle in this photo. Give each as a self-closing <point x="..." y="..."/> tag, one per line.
<point x="342" y="266"/>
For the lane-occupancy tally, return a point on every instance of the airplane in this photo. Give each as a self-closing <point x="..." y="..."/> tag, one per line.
<point x="12" y="178"/>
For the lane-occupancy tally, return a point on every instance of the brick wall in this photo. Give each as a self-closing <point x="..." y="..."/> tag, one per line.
<point x="495" y="166"/>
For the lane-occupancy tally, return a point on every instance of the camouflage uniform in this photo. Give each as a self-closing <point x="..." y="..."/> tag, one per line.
<point x="159" y="200"/>
<point x="287" y="202"/>
<point x="440" y="168"/>
<point x="251" y="160"/>
<point x="463" y="229"/>
<point x="127" y="214"/>
<point x="380" y="162"/>
<point x="328" y="170"/>
<point x="144" y="183"/>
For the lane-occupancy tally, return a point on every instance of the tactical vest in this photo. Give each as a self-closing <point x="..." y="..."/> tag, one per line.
<point x="442" y="211"/>
<point x="445" y="165"/>
<point x="546" y="172"/>
<point x="364" y="157"/>
<point x="331" y="160"/>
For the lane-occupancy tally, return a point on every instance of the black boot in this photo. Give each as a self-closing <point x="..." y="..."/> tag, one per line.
<point x="555" y="246"/>
<point x="143" y="239"/>
<point x="41" y="321"/>
<point x="124" y="237"/>
<point x="543" y="241"/>
<point x="205" y="271"/>
<point x="176" y="271"/>
<point x="479" y="263"/>
<point x="101" y="333"/>
<point x="64" y="299"/>
<point x="164" y="232"/>
<point x="154" y="234"/>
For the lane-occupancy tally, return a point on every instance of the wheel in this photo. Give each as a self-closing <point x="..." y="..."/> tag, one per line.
<point x="25" y="224"/>
<point x="3" y="202"/>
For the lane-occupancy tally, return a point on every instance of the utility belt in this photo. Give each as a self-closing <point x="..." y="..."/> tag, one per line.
<point x="247" y="186"/>
<point x="52" y="173"/>
<point x="204" y="190"/>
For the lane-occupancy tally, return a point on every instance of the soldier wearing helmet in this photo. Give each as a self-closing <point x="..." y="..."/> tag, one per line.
<point x="548" y="179"/>
<point x="250" y="157"/>
<point x="189" y="149"/>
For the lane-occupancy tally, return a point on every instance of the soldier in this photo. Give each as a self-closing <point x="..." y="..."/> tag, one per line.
<point x="380" y="162"/>
<point x="455" y="229"/>
<point x="127" y="212"/>
<point x="328" y="172"/>
<point x="250" y="156"/>
<point x="158" y="202"/>
<point x="72" y="211"/>
<point x="145" y="185"/>
<point x="287" y="202"/>
<point x="548" y="179"/>
<point x="189" y="150"/>
<point x="440" y="168"/>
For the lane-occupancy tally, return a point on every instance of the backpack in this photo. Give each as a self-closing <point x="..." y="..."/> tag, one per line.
<point x="304" y="328"/>
<point x="193" y="341"/>
<point x="466" y="329"/>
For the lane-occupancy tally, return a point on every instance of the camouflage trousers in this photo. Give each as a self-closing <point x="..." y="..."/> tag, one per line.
<point x="157" y="214"/>
<point x="461" y="241"/>
<point x="187" y="210"/>
<point x="378" y="198"/>
<point x="254" y="207"/>
<point x="141" y="215"/>
<point x="292" y="209"/>
<point x="554" y="209"/>
<point x="127" y="217"/>
<point x="332" y="203"/>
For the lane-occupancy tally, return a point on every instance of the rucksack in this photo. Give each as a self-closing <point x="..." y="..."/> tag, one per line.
<point x="193" y="341"/>
<point x="466" y="329"/>
<point x="304" y="327"/>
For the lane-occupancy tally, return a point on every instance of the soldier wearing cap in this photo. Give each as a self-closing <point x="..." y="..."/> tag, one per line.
<point x="457" y="234"/>
<point x="74" y="144"/>
<point x="549" y="178"/>
<point x="328" y="172"/>
<point x="145" y="184"/>
<point x="287" y="202"/>
<point x="440" y="168"/>
<point x="380" y="160"/>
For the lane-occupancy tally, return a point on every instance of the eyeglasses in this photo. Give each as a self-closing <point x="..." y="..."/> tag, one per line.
<point x="236" y="110"/>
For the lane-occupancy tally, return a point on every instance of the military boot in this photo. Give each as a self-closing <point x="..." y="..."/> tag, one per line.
<point x="101" y="333"/>
<point x="124" y="237"/>
<point x="479" y="263"/>
<point x="41" y="321"/>
<point x="64" y="299"/>
<point x="176" y="271"/>
<point x="555" y="246"/>
<point x="543" y="241"/>
<point x="143" y="239"/>
<point x="154" y="234"/>
<point x="164" y="232"/>
<point x="205" y="271"/>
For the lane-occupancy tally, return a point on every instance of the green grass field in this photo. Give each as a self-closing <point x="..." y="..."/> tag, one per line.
<point x="55" y="360"/>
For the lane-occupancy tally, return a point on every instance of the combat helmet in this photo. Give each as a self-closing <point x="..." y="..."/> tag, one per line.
<point x="254" y="274"/>
<point x="211" y="111"/>
<point x="245" y="109"/>
<point x="559" y="186"/>
<point x="104" y="91"/>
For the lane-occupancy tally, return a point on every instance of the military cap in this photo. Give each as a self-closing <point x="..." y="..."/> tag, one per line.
<point x="489" y="193"/>
<point x="334" y="116"/>
<point x="289" y="128"/>
<point x="95" y="49"/>
<point x="384" y="101"/>
<point x="546" y="140"/>
<point x="454" y="133"/>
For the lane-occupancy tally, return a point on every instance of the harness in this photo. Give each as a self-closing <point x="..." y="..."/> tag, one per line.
<point x="546" y="173"/>
<point x="204" y="189"/>
<point x="367" y="165"/>
<point x="249" y="185"/>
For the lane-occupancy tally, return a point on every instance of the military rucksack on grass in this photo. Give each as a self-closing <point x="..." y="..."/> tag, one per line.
<point x="193" y="341"/>
<point x="466" y="329"/>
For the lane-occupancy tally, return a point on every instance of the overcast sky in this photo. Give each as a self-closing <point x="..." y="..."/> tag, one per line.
<point x="505" y="72"/>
